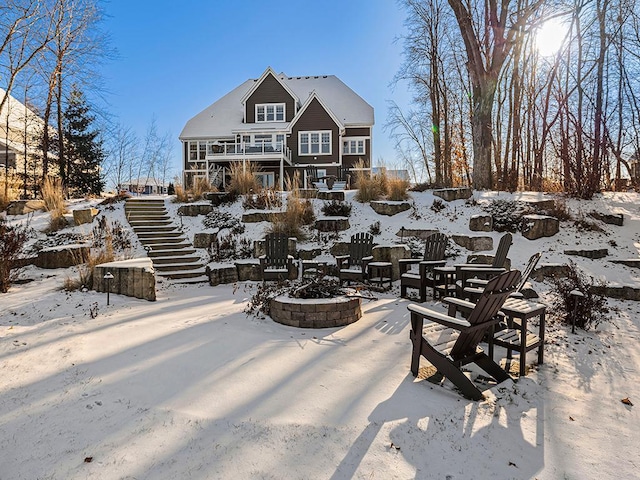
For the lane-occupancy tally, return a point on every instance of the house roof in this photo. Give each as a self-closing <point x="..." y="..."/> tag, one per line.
<point x="226" y="115"/>
<point x="18" y="114"/>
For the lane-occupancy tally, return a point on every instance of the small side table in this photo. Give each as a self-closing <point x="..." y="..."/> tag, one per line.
<point x="517" y="336"/>
<point x="444" y="282"/>
<point x="380" y="273"/>
<point x="312" y="267"/>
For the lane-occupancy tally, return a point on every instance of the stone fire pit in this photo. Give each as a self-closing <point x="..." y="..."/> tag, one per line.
<point x="315" y="312"/>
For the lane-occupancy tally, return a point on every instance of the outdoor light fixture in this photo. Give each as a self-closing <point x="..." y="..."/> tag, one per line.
<point x="401" y="234"/>
<point x="108" y="277"/>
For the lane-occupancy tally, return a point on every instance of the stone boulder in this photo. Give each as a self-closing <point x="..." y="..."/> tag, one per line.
<point x="593" y="254"/>
<point x="391" y="253"/>
<point x="309" y="254"/>
<point x="538" y="226"/>
<point x="22" y="207"/>
<point x="609" y="219"/>
<point x="204" y="240"/>
<point x="249" y="270"/>
<point x="548" y="270"/>
<point x="261" y="216"/>
<point x="63" y="256"/>
<point x="339" y="248"/>
<point x="220" y="274"/>
<point x="548" y="204"/>
<point x="481" y="223"/>
<point x="195" y="209"/>
<point x="219" y="198"/>
<point x="475" y="244"/>
<point x="308" y="192"/>
<point x="389" y="208"/>
<point x="451" y="194"/>
<point x="331" y="195"/>
<point x="415" y="232"/>
<point x="133" y="278"/>
<point x="332" y="224"/>
<point x="84" y="215"/>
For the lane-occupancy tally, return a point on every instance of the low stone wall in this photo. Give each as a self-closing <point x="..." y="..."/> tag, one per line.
<point x="222" y="274"/>
<point x="316" y="312"/>
<point x="133" y="278"/>
<point x="63" y="256"/>
<point x="391" y="253"/>
<point x="195" y="209"/>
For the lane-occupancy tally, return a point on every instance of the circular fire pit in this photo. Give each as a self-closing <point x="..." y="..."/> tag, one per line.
<point x="315" y="312"/>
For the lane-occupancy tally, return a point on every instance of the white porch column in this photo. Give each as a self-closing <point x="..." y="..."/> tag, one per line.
<point x="281" y="174"/>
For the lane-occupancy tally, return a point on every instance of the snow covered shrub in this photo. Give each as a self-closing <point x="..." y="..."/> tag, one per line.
<point x="591" y="309"/>
<point x="229" y="247"/>
<point x="370" y="187"/>
<point x="507" y="214"/>
<point x="220" y="220"/>
<point x="422" y="187"/>
<point x="299" y="212"/>
<point x="12" y="239"/>
<point x="374" y="228"/>
<point x="336" y="208"/>
<point x="200" y="187"/>
<point x="437" y="205"/>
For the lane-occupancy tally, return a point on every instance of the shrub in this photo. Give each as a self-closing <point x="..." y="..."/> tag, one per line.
<point x="299" y="212"/>
<point x="590" y="310"/>
<point x="507" y="214"/>
<point x="437" y="205"/>
<point x="12" y="239"/>
<point x="559" y="210"/>
<point x="220" y="220"/>
<point x="370" y="187"/>
<point x="336" y="208"/>
<point x="374" y="228"/>
<point x="171" y="189"/>
<point x="243" y="178"/>
<point x="230" y="247"/>
<point x="266" y="199"/>
<point x="397" y="189"/>
<point x="85" y="271"/>
<point x="583" y="224"/>
<point x="52" y="195"/>
<point x="181" y="195"/>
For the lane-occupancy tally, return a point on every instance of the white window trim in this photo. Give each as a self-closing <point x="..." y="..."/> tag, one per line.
<point x="274" y="105"/>
<point x="270" y="179"/>
<point x="309" y="133"/>
<point x="356" y="140"/>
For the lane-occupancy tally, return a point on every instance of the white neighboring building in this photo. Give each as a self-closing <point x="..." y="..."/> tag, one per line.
<point x="146" y="186"/>
<point x="20" y="130"/>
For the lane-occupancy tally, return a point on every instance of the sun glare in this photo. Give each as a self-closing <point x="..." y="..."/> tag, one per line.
<point x="550" y="36"/>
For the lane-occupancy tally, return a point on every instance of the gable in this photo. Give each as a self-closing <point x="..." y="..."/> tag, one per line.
<point x="270" y="90"/>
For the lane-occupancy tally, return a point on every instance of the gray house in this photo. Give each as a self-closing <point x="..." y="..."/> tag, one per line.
<point x="283" y="124"/>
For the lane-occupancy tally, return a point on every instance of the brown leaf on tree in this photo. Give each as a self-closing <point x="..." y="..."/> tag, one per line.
<point x="572" y="419"/>
<point x="88" y="459"/>
<point x="626" y="401"/>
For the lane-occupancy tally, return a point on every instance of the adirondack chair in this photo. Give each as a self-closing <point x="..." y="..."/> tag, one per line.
<point x="311" y="174"/>
<point x="276" y="263"/>
<point x="354" y="266"/>
<point x="423" y="278"/>
<point x="476" y="285"/>
<point x="466" y="271"/>
<point x="449" y="343"/>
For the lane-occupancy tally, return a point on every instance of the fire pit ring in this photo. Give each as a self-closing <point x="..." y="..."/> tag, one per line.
<point x="315" y="312"/>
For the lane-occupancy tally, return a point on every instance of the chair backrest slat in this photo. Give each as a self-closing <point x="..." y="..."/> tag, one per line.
<point x="500" y="257"/>
<point x="276" y="247"/>
<point x="435" y="247"/>
<point x="361" y="246"/>
<point x="533" y="261"/>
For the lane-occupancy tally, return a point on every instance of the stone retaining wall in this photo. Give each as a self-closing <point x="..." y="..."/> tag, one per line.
<point x="133" y="278"/>
<point x="315" y="313"/>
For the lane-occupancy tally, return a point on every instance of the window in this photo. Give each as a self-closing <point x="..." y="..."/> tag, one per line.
<point x="197" y="151"/>
<point x="353" y="146"/>
<point x="260" y="139"/>
<point x="266" y="179"/>
<point x="314" y="143"/>
<point x="270" y="112"/>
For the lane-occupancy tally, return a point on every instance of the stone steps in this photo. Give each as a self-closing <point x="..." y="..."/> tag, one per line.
<point x="167" y="247"/>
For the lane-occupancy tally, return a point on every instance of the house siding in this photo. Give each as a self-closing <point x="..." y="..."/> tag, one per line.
<point x="269" y="91"/>
<point x="358" y="132"/>
<point x="315" y="118"/>
<point x="349" y="161"/>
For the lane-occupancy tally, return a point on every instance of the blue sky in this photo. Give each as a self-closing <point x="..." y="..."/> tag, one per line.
<point x="176" y="58"/>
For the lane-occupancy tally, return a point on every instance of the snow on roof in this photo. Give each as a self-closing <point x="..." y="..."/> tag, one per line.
<point x="225" y="117"/>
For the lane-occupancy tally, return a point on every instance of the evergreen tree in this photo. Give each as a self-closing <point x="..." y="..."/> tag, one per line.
<point x="84" y="152"/>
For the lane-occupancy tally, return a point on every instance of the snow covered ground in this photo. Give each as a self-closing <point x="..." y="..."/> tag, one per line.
<point x="189" y="386"/>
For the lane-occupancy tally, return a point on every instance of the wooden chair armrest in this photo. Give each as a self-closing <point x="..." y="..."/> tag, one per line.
<point x="433" y="263"/>
<point x="458" y="305"/>
<point x="365" y="262"/>
<point x="342" y="259"/>
<point x="446" y="320"/>
<point x="477" y="282"/>
<point x="405" y="263"/>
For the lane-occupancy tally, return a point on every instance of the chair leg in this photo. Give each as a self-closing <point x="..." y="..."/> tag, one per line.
<point x="403" y="291"/>
<point x="416" y="339"/>
<point x="492" y="368"/>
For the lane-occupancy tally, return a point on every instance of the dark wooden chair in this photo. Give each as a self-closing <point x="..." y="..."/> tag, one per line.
<point x="476" y="285"/>
<point x="449" y="343"/>
<point x="353" y="267"/>
<point x="467" y="271"/>
<point x="434" y="251"/>
<point x="276" y="263"/>
<point x="311" y="175"/>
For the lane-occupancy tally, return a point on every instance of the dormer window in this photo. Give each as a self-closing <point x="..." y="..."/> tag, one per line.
<point x="270" y="112"/>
